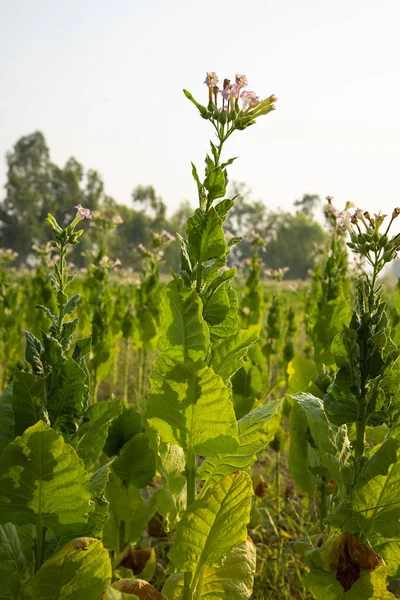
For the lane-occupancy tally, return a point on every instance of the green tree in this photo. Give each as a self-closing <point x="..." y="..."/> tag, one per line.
<point x="308" y="204"/>
<point x="291" y="243"/>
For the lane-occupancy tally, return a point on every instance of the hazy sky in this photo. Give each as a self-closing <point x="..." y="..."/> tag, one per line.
<point x="102" y="80"/>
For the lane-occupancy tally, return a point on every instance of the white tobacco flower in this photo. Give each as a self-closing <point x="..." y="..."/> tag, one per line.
<point x="344" y="220"/>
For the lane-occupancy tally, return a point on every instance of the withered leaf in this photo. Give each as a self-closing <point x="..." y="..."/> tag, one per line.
<point x="142" y="589"/>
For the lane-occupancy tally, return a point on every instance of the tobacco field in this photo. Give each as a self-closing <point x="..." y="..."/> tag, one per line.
<point x="210" y="434"/>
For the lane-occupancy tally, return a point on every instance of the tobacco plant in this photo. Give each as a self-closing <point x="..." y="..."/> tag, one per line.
<point x="349" y="441"/>
<point x="202" y="451"/>
<point x="52" y="491"/>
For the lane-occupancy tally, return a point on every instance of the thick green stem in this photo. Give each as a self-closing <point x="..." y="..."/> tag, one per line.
<point x="278" y="486"/>
<point x="139" y="368"/>
<point x="322" y="504"/>
<point x="359" y="448"/>
<point x="121" y="537"/>
<point x="94" y="387"/>
<point x="190" y="498"/>
<point x="40" y="545"/>
<point x="61" y="303"/>
<point x="143" y="371"/>
<point x="126" y="370"/>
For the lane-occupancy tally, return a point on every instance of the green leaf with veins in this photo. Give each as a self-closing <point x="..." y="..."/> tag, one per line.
<point x="80" y="570"/>
<point x="228" y="353"/>
<point x="14" y="570"/>
<point x="184" y="333"/>
<point x="136" y="463"/>
<point x="28" y="400"/>
<point x="234" y="580"/>
<point x="256" y="430"/>
<point x="213" y="525"/>
<point x="42" y="480"/>
<point x="7" y="420"/>
<point x="184" y="410"/>
<point x="92" y="434"/>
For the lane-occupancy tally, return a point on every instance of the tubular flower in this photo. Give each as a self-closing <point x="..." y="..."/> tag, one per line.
<point x="249" y="99"/>
<point x="241" y="80"/>
<point x="83" y="212"/>
<point x="343" y="219"/>
<point x="211" y="79"/>
<point x="230" y="91"/>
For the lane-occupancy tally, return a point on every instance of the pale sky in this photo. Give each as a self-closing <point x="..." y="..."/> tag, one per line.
<point x="102" y="80"/>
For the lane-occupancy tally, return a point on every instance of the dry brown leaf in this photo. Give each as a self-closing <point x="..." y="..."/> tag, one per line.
<point x="134" y="559"/>
<point x="349" y="558"/>
<point x="142" y="589"/>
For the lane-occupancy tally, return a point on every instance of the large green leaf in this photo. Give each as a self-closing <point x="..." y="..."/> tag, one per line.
<point x="14" y="571"/>
<point x="256" y="429"/>
<point x="302" y="372"/>
<point x="184" y="334"/>
<point x="91" y="435"/>
<point x="7" y="421"/>
<point x="171" y="464"/>
<point x="136" y="463"/>
<point x="215" y="183"/>
<point x="222" y="312"/>
<point x="79" y="571"/>
<point x="122" y="429"/>
<point x="213" y="525"/>
<point x="184" y="410"/>
<point x="127" y="509"/>
<point x="206" y="239"/>
<point x="67" y="396"/>
<point x="378" y="502"/>
<point x="28" y="400"/>
<point x="228" y="353"/>
<point x="316" y="445"/>
<point x="43" y="481"/>
<point x="99" y="515"/>
<point x="234" y="580"/>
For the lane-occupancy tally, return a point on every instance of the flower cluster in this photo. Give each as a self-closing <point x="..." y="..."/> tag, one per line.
<point x="276" y="274"/>
<point x="230" y="92"/>
<point x="106" y="219"/>
<point x="68" y="235"/>
<point x="7" y="255"/>
<point x="231" y="107"/>
<point x="366" y="236"/>
<point x="108" y="263"/>
<point x="255" y="239"/>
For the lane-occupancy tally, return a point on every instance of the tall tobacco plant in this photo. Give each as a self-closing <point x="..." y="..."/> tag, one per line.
<point x="348" y="443"/>
<point x="52" y="490"/>
<point x="202" y="451"/>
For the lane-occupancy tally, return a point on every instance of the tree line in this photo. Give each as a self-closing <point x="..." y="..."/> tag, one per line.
<point x="36" y="186"/>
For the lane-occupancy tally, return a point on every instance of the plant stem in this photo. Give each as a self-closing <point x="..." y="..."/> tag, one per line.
<point x="143" y="370"/>
<point x="121" y="537"/>
<point x="126" y="370"/>
<point x="278" y="486"/>
<point x="61" y="293"/>
<point x="359" y="448"/>
<point x="190" y="498"/>
<point x="139" y="368"/>
<point x="40" y="544"/>
<point x="322" y="509"/>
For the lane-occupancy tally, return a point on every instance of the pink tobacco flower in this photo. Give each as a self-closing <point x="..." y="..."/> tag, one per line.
<point x="250" y="100"/>
<point x="230" y="91"/>
<point x="83" y="212"/>
<point x="211" y="79"/>
<point x="241" y="80"/>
